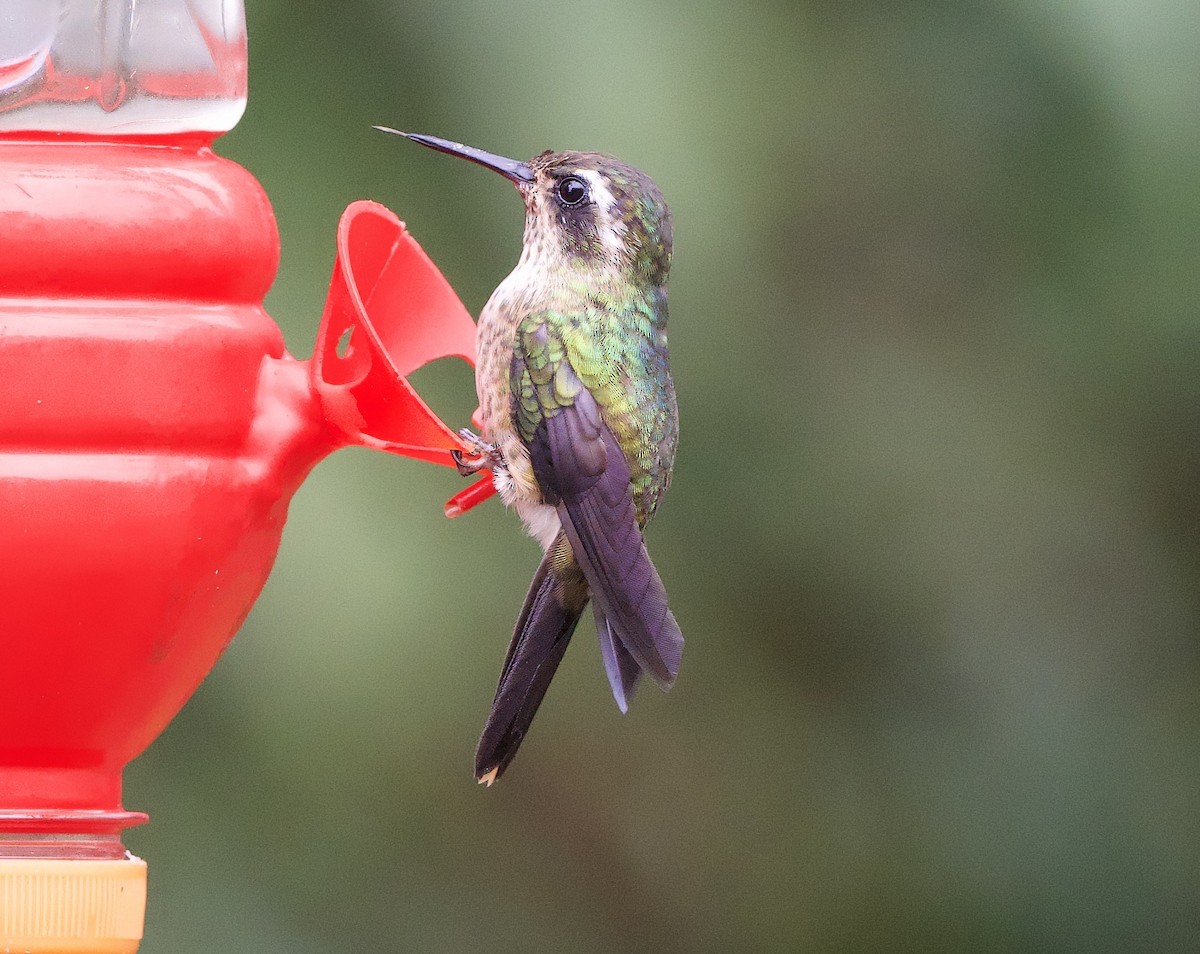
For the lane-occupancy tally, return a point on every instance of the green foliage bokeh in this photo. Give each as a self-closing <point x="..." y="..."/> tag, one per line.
<point x="933" y="538"/>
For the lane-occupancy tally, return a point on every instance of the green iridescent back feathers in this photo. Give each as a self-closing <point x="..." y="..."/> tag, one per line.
<point x="620" y="356"/>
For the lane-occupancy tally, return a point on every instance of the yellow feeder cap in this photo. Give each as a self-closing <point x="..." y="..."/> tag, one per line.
<point x="53" y="906"/>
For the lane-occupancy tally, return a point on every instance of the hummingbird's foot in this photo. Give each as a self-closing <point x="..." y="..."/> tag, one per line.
<point x="480" y="446"/>
<point x="488" y="457"/>
<point x="468" y="467"/>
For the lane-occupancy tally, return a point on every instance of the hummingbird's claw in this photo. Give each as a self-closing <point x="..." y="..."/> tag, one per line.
<point x="467" y="467"/>
<point x="488" y="457"/>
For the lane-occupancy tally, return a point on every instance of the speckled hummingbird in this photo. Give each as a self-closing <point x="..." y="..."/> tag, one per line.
<point x="579" y="423"/>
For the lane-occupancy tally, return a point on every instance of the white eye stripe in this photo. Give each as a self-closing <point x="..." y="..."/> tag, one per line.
<point x="611" y="228"/>
<point x="599" y="192"/>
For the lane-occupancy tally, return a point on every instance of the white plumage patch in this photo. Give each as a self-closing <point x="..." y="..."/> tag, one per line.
<point x="612" y="229"/>
<point x="541" y="521"/>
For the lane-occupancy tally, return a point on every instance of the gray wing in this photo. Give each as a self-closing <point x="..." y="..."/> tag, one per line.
<point x="579" y="465"/>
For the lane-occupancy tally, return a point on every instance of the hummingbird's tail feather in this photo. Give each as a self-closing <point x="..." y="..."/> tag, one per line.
<point x="623" y="670"/>
<point x="555" y="601"/>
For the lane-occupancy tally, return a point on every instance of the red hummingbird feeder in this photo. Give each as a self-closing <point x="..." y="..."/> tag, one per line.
<point x="153" y="427"/>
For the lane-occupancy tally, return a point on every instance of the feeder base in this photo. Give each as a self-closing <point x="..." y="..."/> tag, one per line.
<point x="54" y="906"/>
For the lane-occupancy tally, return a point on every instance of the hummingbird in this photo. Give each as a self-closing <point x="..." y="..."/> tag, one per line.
<point x="579" y="423"/>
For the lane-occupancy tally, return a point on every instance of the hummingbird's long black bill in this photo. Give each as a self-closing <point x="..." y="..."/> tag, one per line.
<point x="509" y="168"/>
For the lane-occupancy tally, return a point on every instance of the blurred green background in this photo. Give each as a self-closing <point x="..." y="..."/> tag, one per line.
<point x="933" y="537"/>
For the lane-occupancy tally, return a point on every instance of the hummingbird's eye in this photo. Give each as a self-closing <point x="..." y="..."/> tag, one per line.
<point x="571" y="190"/>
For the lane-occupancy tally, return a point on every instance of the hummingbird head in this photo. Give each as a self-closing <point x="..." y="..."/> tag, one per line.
<point x="584" y="211"/>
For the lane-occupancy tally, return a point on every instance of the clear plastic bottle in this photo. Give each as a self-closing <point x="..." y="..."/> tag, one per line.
<point x="122" y="67"/>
